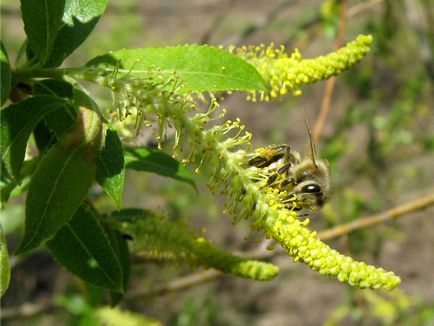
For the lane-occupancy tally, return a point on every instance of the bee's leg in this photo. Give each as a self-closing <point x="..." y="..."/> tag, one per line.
<point x="287" y="153"/>
<point x="284" y="168"/>
<point x="289" y="159"/>
<point x="271" y="179"/>
<point x="258" y="161"/>
<point x="287" y="182"/>
<point x="291" y="203"/>
<point x="280" y="147"/>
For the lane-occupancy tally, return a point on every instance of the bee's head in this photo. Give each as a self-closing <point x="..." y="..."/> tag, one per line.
<point x="312" y="183"/>
<point x="312" y="179"/>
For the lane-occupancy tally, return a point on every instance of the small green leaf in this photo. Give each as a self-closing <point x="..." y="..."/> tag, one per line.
<point x="42" y="21"/>
<point x="120" y="246"/>
<point x="5" y="75"/>
<point x="199" y="68"/>
<point x="59" y="121"/>
<point x="78" y="21"/>
<point x="82" y="98"/>
<point x="17" y="122"/>
<point x="5" y="270"/>
<point x="70" y="89"/>
<point x="44" y="137"/>
<point x="82" y="247"/>
<point x="61" y="182"/>
<point x="110" y="171"/>
<point x="151" y="160"/>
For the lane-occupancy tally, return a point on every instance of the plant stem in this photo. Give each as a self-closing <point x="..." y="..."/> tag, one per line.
<point x="38" y="72"/>
<point x="330" y="86"/>
<point x="365" y="222"/>
<point x="178" y="284"/>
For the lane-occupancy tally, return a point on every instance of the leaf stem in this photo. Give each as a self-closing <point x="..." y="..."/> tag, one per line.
<point x="24" y="74"/>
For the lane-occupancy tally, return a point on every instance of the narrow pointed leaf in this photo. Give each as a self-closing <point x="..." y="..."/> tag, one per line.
<point x="82" y="247"/>
<point x="54" y="87"/>
<point x="5" y="69"/>
<point x="17" y="122"/>
<point x="120" y="246"/>
<point x="151" y="160"/>
<point x="82" y="98"/>
<point x="199" y="68"/>
<point x="58" y="122"/>
<point x="5" y="270"/>
<point x="110" y="171"/>
<point x="78" y="21"/>
<point x="57" y="189"/>
<point x="61" y="182"/>
<point x="42" y="21"/>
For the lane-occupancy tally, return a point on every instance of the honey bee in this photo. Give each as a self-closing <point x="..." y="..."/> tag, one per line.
<point x="308" y="178"/>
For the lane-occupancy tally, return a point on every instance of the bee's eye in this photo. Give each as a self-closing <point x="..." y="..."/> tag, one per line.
<point x="311" y="188"/>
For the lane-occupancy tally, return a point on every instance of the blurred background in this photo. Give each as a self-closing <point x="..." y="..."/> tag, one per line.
<point x="378" y="137"/>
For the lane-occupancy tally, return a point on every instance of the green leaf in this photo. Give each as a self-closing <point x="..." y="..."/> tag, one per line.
<point x="55" y="87"/>
<point x="199" y="68"/>
<point x="78" y="21"/>
<point x="42" y="22"/>
<point x="44" y="137"/>
<point x="61" y="182"/>
<point x="17" y="122"/>
<point x="110" y="171"/>
<point x="151" y="160"/>
<point x="5" y="270"/>
<point x="82" y="98"/>
<point x="68" y="89"/>
<point x="13" y="187"/>
<point x="120" y="246"/>
<point x="58" y="187"/>
<point x="82" y="247"/>
<point x="5" y="75"/>
<point x="59" y="121"/>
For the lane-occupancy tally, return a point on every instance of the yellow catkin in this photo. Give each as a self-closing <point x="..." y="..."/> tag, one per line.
<point x="285" y="73"/>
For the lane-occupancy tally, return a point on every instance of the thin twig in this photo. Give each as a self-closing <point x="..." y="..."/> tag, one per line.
<point x="330" y="86"/>
<point x="178" y="284"/>
<point x="331" y="83"/>
<point x="218" y="20"/>
<point x="365" y="222"/>
<point x="313" y="22"/>
<point x="325" y="108"/>
<point x="26" y="310"/>
<point x="360" y="7"/>
<point x="260" y="23"/>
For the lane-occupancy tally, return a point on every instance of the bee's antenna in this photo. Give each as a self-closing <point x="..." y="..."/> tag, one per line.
<point x="312" y="143"/>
